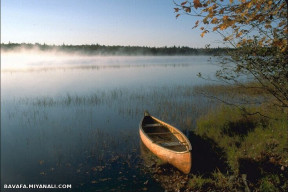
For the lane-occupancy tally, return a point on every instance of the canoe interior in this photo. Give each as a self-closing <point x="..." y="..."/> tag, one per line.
<point x="163" y="135"/>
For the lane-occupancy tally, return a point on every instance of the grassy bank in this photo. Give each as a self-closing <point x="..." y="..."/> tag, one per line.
<point x="251" y="151"/>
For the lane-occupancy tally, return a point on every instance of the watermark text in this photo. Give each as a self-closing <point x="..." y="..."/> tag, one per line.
<point x="37" y="186"/>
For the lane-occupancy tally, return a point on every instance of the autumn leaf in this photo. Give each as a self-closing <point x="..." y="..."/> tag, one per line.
<point x="225" y="17"/>
<point x="183" y="3"/>
<point x="203" y="33"/>
<point x="268" y="26"/>
<point x="205" y="20"/>
<point x="249" y="41"/>
<point x="214" y="20"/>
<point x="228" y="38"/>
<point x="249" y="5"/>
<point x="239" y="34"/>
<point x="284" y="49"/>
<point x="177" y="16"/>
<point x="196" y="24"/>
<point x="210" y="9"/>
<point x="197" y="3"/>
<point x="188" y="9"/>
<point x="223" y="27"/>
<point x="176" y="10"/>
<point x="239" y="44"/>
<point x="221" y="11"/>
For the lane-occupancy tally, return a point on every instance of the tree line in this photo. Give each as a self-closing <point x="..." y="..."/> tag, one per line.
<point x="96" y="49"/>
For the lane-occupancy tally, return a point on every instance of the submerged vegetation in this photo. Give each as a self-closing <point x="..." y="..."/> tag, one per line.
<point x="96" y="49"/>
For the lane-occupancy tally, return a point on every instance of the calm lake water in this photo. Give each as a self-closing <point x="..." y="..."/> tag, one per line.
<point x="68" y="119"/>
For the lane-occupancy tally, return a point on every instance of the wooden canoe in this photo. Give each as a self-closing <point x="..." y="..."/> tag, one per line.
<point x="166" y="142"/>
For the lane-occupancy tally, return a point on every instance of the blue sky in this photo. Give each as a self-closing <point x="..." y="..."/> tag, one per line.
<point x="106" y="22"/>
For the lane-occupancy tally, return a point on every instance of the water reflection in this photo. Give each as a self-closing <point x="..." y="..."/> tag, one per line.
<point x="93" y="73"/>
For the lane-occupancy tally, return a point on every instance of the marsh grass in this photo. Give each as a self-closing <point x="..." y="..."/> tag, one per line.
<point x="249" y="88"/>
<point x="178" y="104"/>
<point x="238" y="95"/>
<point x="84" y="66"/>
<point x="254" y="146"/>
<point x="200" y="183"/>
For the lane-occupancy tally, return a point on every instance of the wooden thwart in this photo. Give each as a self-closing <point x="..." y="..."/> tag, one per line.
<point x="159" y="133"/>
<point x="153" y="125"/>
<point x="171" y="144"/>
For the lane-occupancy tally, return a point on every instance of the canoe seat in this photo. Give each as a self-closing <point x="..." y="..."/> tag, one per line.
<point x="153" y="125"/>
<point x="160" y="133"/>
<point x="171" y="144"/>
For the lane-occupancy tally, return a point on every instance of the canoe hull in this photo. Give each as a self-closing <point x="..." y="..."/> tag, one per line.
<point x="180" y="160"/>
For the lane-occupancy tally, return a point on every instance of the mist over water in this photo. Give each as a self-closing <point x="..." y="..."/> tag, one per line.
<point x="74" y="118"/>
<point x="51" y="74"/>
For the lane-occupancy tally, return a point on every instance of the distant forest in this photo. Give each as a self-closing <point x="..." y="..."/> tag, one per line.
<point x="96" y="49"/>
